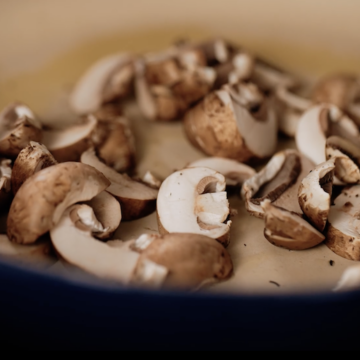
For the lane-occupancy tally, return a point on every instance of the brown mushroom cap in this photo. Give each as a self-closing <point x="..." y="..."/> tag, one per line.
<point x="289" y="230"/>
<point x="315" y="194"/>
<point x="347" y="159"/>
<point x="343" y="232"/>
<point x="68" y="144"/>
<point x="191" y="259"/>
<point x="18" y="126"/>
<point x="5" y="185"/>
<point x="136" y="199"/>
<point x="41" y="201"/>
<point x="235" y="122"/>
<point x="34" y="158"/>
<point x="278" y="178"/>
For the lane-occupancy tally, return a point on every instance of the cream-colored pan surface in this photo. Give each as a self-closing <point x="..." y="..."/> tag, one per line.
<point x="46" y="45"/>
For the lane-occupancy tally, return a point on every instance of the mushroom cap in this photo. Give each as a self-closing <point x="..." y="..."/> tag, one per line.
<point x="18" y="126"/>
<point x="224" y="125"/>
<point x="191" y="259"/>
<point x="108" y="212"/>
<point x="43" y="198"/>
<point x="289" y="230"/>
<point x="67" y="145"/>
<point x="347" y="159"/>
<point x="343" y="232"/>
<point x="32" y="159"/>
<point x="5" y="184"/>
<point x="235" y="173"/>
<point x="278" y="177"/>
<point x="319" y="123"/>
<point x="315" y="194"/>
<point x="194" y="201"/>
<point x="136" y="199"/>
<point x="107" y="79"/>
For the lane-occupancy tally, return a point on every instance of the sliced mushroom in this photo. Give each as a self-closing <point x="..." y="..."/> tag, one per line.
<point x="269" y="77"/>
<point x="290" y="107"/>
<point x="289" y="230"/>
<point x="319" y="123"/>
<point x="75" y="244"/>
<point x="39" y="254"/>
<point x="234" y="172"/>
<point x="136" y="199"/>
<point x="41" y="201"/>
<point x="191" y="259"/>
<point x="114" y="142"/>
<point x="109" y="79"/>
<point x="315" y="194"/>
<point x="5" y="185"/>
<point x="350" y="280"/>
<point x="279" y="178"/>
<point x="34" y="158"/>
<point x="194" y="201"/>
<point x="235" y="122"/>
<point x="341" y="90"/>
<point x="18" y="126"/>
<point x="343" y="232"/>
<point x="68" y="144"/>
<point x="347" y="159"/>
<point x="107" y="211"/>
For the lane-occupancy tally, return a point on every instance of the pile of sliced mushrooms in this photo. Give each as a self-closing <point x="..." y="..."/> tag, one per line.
<point x="65" y="192"/>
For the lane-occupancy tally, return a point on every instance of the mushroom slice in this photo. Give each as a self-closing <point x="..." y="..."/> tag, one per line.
<point x="18" y="126"/>
<point x="136" y="199"/>
<point x="319" y="123"/>
<point x="34" y="158"/>
<point x="73" y="241"/>
<point x="108" y="79"/>
<point x="289" y="230"/>
<point x="315" y="194"/>
<point x="39" y="254"/>
<point x="68" y="144"/>
<point x="343" y="232"/>
<point x="114" y="142"/>
<point x="341" y="90"/>
<point x="235" y="122"/>
<point x="269" y="77"/>
<point x="107" y="211"/>
<point x="41" y="201"/>
<point x="5" y="184"/>
<point x="291" y="106"/>
<point x="234" y="172"/>
<point x="279" y="175"/>
<point x="191" y="259"/>
<point x="350" y="280"/>
<point x="194" y="201"/>
<point x="347" y="159"/>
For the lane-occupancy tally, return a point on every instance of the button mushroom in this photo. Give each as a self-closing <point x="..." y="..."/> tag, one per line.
<point x="191" y="259"/>
<point x="194" y="201"/>
<point x="341" y="90"/>
<point x="319" y="123"/>
<point x="34" y="158"/>
<point x="136" y="199"/>
<point x="41" y="201"/>
<point x="289" y="230"/>
<point x="277" y="182"/>
<point x="235" y="173"/>
<point x="236" y="122"/>
<point x="68" y="144"/>
<point x="343" y="232"/>
<point x="347" y="159"/>
<point x="108" y="79"/>
<point x="315" y="194"/>
<point x="74" y="242"/>
<point x="18" y="126"/>
<point x="5" y="184"/>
